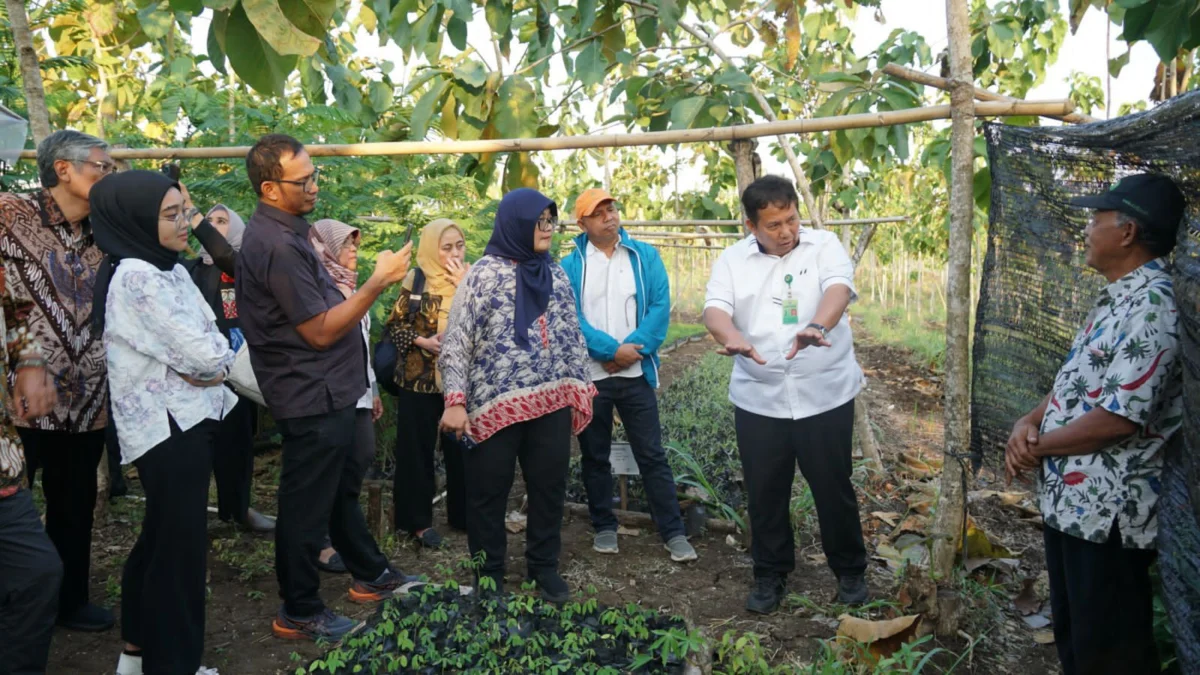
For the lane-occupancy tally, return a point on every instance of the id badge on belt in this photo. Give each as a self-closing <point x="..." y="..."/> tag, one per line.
<point x="790" y="305"/>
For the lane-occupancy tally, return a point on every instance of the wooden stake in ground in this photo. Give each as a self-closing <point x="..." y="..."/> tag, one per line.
<point x="948" y="522"/>
<point x="31" y="74"/>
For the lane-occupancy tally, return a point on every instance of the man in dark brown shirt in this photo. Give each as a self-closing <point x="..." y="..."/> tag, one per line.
<point x="51" y="260"/>
<point x="310" y="362"/>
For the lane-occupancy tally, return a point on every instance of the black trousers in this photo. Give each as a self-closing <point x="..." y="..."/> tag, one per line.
<point x="30" y="573"/>
<point x="770" y="449"/>
<point x="233" y="461"/>
<point x="543" y="447"/>
<point x="363" y="454"/>
<point x="68" y="463"/>
<point x="318" y="490"/>
<point x="415" y="482"/>
<point x="163" y="587"/>
<point x="1102" y="601"/>
<point x="634" y="399"/>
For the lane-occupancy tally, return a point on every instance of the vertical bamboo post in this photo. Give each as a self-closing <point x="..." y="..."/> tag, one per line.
<point x="948" y="520"/>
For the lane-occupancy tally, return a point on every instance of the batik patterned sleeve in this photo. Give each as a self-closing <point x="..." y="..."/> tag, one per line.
<point x="458" y="343"/>
<point x="23" y="348"/>
<point x="1145" y="360"/>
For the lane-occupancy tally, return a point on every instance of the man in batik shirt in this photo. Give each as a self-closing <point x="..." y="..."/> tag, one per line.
<point x="1097" y="440"/>
<point x="51" y="261"/>
<point x="30" y="570"/>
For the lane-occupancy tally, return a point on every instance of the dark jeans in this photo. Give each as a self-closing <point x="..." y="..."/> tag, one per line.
<point x="163" y="587"/>
<point x="1102" y="601"/>
<point x="30" y="573"/>
<point x="418" y="416"/>
<point x="318" y="489"/>
<point x="233" y="461"/>
<point x="635" y="401"/>
<point x="68" y="462"/>
<point x="543" y="447"/>
<point x="770" y="449"/>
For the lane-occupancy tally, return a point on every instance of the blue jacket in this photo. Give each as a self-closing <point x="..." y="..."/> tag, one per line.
<point x="653" y="303"/>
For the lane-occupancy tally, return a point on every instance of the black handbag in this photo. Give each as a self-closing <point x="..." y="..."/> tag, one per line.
<point x="386" y="355"/>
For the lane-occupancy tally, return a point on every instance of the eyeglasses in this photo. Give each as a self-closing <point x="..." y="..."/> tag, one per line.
<point x="547" y="224"/>
<point x="105" y="167"/>
<point x="307" y="184"/>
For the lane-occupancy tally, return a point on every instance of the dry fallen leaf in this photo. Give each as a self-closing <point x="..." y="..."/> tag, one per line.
<point x="979" y="545"/>
<point x="889" y="517"/>
<point x="1027" y="601"/>
<point x="913" y="523"/>
<point x="884" y="637"/>
<point x="1036" y="621"/>
<point x="515" y="522"/>
<point x="628" y="531"/>
<point x="1044" y="637"/>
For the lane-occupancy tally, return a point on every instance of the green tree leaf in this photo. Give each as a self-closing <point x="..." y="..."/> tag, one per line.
<point x="426" y="105"/>
<point x="515" y="112"/>
<point x="456" y="28"/>
<point x="472" y="74"/>
<point x="155" y="20"/>
<point x="310" y="16"/>
<point x="684" y="112"/>
<point x="189" y="6"/>
<point x="252" y="58"/>
<point x="380" y="95"/>
<point x="216" y="53"/>
<point x="734" y="78"/>
<point x="284" y="36"/>
<point x="647" y="32"/>
<point x="590" y="64"/>
<point x="586" y="14"/>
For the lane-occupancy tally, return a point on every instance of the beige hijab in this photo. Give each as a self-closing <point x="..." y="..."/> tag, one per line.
<point x="438" y="280"/>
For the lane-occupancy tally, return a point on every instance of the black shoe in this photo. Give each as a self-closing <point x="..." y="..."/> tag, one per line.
<point x="852" y="589"/>
<point x="767" y="594"/>
<point x="554" y="590"/>
<point x="429" y="539"/>
<point x="257" y="522"/>
<point x="88" y="619"/>
<point x="334" y="565"/>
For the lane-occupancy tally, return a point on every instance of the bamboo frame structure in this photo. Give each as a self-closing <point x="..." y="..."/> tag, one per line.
<point x="912" y="75"/>
<point x="691" y="223"/>
<point x="706" y="135"/>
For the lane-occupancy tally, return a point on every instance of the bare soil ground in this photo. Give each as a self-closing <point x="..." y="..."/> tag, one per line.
<point x="905" y="406"/>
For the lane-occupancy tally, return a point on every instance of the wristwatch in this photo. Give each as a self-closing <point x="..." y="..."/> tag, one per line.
<point x="823" y="329"/>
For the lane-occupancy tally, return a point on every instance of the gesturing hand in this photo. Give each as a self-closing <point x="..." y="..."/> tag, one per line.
<point x="739" y="346"/>
<point x="807" y="337"/>
<point x="627" y="355"/>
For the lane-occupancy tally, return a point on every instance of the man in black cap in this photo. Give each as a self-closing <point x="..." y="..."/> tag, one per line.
<point x="1097" y="440"/>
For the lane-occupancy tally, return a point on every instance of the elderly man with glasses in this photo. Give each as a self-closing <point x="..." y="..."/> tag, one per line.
<point x="50" y="261"/>
<point x="311" y="364"/>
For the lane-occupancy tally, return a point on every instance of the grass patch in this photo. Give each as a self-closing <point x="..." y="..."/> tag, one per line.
<point x="925" y="338"/>
<point x="682" y="330"/>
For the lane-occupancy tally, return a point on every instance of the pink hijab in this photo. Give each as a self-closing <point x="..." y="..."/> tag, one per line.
<point x="328" y="236"/>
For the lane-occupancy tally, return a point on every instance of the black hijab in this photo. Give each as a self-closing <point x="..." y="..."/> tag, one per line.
<point x="124" y="218"/>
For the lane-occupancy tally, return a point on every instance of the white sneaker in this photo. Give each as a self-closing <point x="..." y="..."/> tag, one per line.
<point x="129" y="665"/>
<point x="207" y="671"/>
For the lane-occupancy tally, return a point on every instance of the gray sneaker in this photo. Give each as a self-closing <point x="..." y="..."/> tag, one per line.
<point x="681" y="550"/>
<point x="606" y="542"/>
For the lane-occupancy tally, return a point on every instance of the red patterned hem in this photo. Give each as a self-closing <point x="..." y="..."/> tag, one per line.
<point x="9" y="491"/>
<point x="532" y="403"/>
<point x="454" y="398"/>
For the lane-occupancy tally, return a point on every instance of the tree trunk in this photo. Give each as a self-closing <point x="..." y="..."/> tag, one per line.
<point x="31" y="75"/>
<point x="864" y="437"/>
<point x="864" y="240"/>
<point x="949" y="518"/>
<point x="743" y="153"/>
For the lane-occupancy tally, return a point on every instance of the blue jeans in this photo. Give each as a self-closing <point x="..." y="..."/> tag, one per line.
<point x="635" y="401"/>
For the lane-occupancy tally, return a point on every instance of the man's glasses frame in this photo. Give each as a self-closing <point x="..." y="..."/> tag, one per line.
<point x="106" y="168"/>
<point x="306" y="184"/>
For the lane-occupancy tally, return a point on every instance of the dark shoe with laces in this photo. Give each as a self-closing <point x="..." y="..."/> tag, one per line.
<point x="552" y="586"/>
<point x="323" y="626"/>
<point x="852" y="589"/>
<point x="429" y="539"/>
<point x="767" y="594"/>
<point x="88" y="619"/>
<point x="334" y="565"/>
<point x="389" y="584"/>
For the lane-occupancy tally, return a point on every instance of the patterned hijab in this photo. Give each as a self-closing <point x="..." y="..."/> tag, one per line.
<point x="328" y="236"/>
<point x="437" y="278"/>
<point x="237" y="228"/>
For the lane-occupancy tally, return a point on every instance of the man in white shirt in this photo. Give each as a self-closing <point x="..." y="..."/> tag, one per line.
<point x="624" y="300"/>
<point x="776" y="303"/>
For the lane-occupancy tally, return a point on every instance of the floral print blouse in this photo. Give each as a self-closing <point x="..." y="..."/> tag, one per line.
<point x="157" y="327"/>
<point x="500" y="382"/>
<point x="20" y="345"/>
<point x="1126" y="361"/>
<point x="416" y="368"/>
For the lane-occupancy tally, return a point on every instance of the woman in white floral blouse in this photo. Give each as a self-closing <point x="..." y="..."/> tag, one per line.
<point x="166" y="358"/>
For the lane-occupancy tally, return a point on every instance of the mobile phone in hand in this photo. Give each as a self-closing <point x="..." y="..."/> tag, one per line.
<point x="408" y="234"/>
<point x="171" y="170"/>
<point x="469" y="443"/>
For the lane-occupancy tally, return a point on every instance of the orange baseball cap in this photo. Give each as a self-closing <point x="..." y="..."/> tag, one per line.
<point x="589" y="200"/>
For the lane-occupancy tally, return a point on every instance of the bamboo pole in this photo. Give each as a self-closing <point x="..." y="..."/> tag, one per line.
<point x="948" y="521"/>
<point x="982" y="94"/>
<point x="688" y="223"/>
<point x="707" y="135"/>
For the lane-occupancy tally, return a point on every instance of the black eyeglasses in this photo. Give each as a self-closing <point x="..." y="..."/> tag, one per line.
<point x="547" y="224"/>
<point x="105" y="167"/>
<point x="306" y="184"/>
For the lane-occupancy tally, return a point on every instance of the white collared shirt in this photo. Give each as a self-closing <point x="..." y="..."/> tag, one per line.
<point x="750" y="286"/>
<point x="158" y="326"/>
<point x="610" y="300"/>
